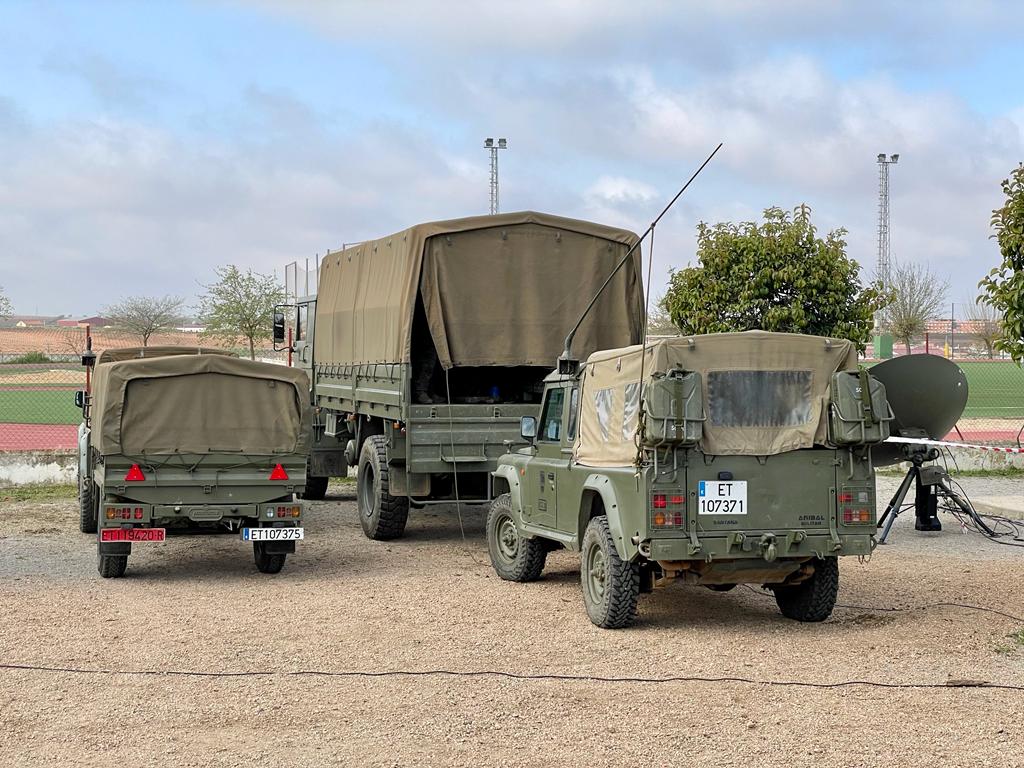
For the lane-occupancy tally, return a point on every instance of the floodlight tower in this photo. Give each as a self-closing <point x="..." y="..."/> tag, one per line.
<point x="883" y="267"/>
<point x="493" y="146"/>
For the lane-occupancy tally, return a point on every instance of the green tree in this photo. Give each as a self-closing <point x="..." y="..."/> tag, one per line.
<point x="917" y="297"/>
<point x="1004" y="286"/>
<point x="144" y="316"/>
<point x="5" y="304"/>
<point x="776" y="276"/>
<point x="240" y="305"/>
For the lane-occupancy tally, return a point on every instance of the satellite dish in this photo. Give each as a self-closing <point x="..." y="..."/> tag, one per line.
<point x="927" y="394"/>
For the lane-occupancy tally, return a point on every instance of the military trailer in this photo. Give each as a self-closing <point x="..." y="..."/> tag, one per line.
<point x="748" y="460"/>
<point x="426" y="348"/>
<point x="194" y="441"/>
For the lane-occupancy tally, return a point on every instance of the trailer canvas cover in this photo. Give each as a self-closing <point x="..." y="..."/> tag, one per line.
<point x="764" y="393"/>
<point x="498" y="290"/>
<point x="198" y="404"/>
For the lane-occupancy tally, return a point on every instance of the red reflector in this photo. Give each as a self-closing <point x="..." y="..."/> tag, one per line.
<point x="138" y="513"/>
<point x="134" y="474"/>
<point x="278" y="473"/>
<point x="659" y="501"/>
<point x="676" y="499"/>
<point x="845" y="498"/>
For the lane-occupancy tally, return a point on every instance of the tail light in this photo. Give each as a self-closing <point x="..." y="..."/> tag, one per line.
<point x="856" y="506"/>
<point x="278" y="473"/>
<point x="134" y="474"/>
<point x="288" y="511"/>
<point x="668" y="510"/>
<point x="854" y="516"/>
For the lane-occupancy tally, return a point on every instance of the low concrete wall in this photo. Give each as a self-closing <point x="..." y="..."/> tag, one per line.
<point x="25" y="467"/>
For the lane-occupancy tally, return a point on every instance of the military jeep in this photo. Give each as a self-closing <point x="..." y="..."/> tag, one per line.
<point x="719" y="460"/>
<point x="190" y="440"/>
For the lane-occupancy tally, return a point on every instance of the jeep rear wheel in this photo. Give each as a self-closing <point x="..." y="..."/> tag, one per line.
<point x="316" y="487"/>
<point x="611" y="586"/>
<point x="514" y="558"/>
<point x="112" y="566"/>
<point x="382" y="515"/>
<point x="814" y="598"/>
<point x="88" y="503"/>
<point x="265" y="561"/>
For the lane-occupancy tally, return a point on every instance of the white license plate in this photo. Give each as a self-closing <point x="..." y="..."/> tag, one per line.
<point x="272" y="534"/>
<point x="722" y="497"/>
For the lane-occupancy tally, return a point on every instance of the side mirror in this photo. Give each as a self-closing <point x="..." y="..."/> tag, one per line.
<point x="88" y="358"/>
<point x="528" y="427"/>
<point x="278" y="327"/>
<point x="80" y="399"/>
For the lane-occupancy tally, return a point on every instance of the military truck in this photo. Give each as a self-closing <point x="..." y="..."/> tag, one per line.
<point x="426" y="347"/>
<point x="192" y="440"/>
<point x="746" y="459"/>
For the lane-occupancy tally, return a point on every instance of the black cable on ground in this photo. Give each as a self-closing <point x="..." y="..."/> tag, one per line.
<point x="540" y="677"/>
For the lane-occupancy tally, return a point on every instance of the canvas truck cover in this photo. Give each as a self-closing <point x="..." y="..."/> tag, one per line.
<point x="498" y="290"/>
<point x="763" y="393"/>
<point x="199" y="404"/>
<point x="114" y="354"/>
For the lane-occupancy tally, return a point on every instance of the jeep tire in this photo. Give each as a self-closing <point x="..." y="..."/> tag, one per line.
<point x="382" y="515"/>
<point x="112" y="566"/>
<point x="88" y="503"/>
<point x="611" y="586"/>
<point x="814" y="598"/>
<point x="265" y="561"/>
<point x="514" y="558"/>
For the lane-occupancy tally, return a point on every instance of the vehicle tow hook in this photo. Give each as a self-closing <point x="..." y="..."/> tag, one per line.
<point x="768" y="549"/>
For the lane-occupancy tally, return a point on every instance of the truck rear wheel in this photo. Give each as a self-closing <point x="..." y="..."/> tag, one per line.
<point x="266" y="562"/>
<point x="813" y="599"/>
<point x="112" y="566"/>
<point x="87" y="506"/>
<point x="611" y="586"/>
<point x="513" y="557"/>
<point x="382" y="515"/>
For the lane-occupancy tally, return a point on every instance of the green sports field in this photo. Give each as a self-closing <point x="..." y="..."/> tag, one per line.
<point x="995" y="390"/>
<point x="38" y="406"/>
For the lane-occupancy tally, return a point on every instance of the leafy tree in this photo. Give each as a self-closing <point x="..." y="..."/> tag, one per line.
<point x="5" y="304"/>
<point x="985" y="325"/>
<point x="776" y="276"/>
<point x="1004" y="286"/>
<point x="240" y="305"/>
<point x="917" y="297"/>
<point x="144" y="316"/>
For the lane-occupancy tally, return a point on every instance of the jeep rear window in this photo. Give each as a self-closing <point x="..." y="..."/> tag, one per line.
<point x="759" y="398"/>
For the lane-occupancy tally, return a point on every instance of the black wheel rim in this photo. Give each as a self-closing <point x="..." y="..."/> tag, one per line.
<point x="366" y="490"/>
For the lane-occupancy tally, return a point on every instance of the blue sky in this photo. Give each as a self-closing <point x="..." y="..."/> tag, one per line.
<point x="144" y="144"/>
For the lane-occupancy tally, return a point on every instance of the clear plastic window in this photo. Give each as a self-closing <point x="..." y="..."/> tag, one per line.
<point x="630" y="411"/>
<point x="574" y="411"/>
<point x="603" y="401"/>
<point x="759" y="398"/>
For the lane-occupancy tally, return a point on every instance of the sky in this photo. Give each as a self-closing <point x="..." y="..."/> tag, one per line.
<point x="144" y="144"/>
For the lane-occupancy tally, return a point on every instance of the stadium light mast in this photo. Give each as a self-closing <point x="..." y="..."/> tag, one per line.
<point x="492" y="146"/>
<point x="883" y="269"/>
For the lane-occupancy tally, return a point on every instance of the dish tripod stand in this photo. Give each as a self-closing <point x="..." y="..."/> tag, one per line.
<point x="931" y="483"/>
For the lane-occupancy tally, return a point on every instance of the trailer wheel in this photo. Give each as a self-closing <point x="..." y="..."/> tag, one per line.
<point x="611" y="586"/>
<point x="266" y="562"/>
<point x="112" y="566"/>
<point x="813" y="599"/>
<point x="316" y="487"/>
<point x="382" y="515"/>
<point x="513" y="557"/>
<point x="87" y="505"/>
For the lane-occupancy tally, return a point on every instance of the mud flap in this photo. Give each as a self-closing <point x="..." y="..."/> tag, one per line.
<point x="114" y="548"/>
<point x="278" y="547"/>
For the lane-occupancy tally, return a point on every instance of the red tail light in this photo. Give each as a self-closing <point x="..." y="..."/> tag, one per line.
<point x="278" y="473"/>
<point x="659" y="501"/>
<point x="134" y="474"/>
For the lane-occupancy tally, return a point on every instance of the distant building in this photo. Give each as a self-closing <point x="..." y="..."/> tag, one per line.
<point x="95" y="322"/>
<point x="29" y="321"/>
<point x="191" y="328"/>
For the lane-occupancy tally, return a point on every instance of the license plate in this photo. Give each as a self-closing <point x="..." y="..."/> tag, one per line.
<point x="272" y="534"/>
<point x="722" y="497"/>
<point x="133" y="534"/>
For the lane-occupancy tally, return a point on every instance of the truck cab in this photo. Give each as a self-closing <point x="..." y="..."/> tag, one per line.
<point x="717" y="476"/>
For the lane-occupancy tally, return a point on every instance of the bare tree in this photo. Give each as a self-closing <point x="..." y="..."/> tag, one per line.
<point x="144" y="316"/>
<point x="659" y="323"/>
<point x="917" y="297"/>
<point x="985" y="325"/>
<point x="5" y="304"/>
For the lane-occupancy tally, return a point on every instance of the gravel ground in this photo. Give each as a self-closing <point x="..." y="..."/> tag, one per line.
<point x="431" y="602"/>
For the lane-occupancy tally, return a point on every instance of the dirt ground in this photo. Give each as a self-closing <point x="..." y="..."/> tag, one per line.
<point x="431" y="602"/>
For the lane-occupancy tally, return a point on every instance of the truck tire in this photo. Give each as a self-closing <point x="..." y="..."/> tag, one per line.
<point x="382" y="515"/>
<point x="513" y="557"/>
<point x="813" y="599"/>
<point x="87" y="506"/>
<point x="112" y="566"/>
<point x="611" y="586"/>
<point x="266" y="562"/>
<point x="316" y="487"/>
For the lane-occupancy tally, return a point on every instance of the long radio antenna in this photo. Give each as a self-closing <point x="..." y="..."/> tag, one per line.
<point x="568" y="339"/>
